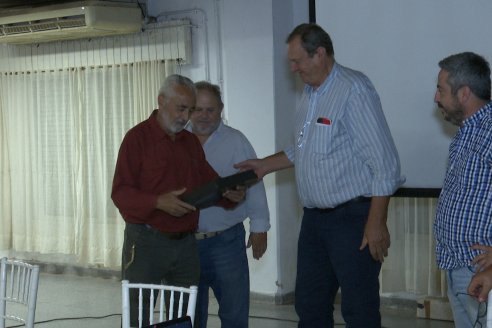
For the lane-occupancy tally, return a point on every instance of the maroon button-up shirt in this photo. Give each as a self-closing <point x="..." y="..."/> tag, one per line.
<point x="150" y="163"/>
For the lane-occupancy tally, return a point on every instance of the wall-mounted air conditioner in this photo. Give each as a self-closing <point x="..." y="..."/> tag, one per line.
<point x="74" y="20"/>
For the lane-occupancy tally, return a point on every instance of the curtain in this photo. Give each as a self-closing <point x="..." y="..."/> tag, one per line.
<point x="60" y="133"/>
<point x="410" y="268"/>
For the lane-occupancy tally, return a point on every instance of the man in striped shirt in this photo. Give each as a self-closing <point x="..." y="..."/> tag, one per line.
<point x="346" y="167"/>
<point x="464" y="211"/>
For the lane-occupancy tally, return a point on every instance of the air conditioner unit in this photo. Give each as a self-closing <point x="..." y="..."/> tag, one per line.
<point x="74" y="20"/>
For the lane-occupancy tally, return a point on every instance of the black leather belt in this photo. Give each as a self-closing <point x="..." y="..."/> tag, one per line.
<point x="169" y="235"/>
<point x="360" y="199"/>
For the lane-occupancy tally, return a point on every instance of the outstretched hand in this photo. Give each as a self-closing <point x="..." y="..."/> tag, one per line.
<point x="262" y="167"/>
<point x="252" y="164"/>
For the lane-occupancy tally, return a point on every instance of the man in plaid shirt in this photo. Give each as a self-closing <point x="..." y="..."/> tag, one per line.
<point x="464" y="211"/>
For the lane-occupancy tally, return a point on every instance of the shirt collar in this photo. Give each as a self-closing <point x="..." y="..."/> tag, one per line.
<point x="157" y="132"/>
<point x="219" y="130"/>
<point x="216" y="133"/>
<point x="479" y="115"/>
<point x="324" y="86"/>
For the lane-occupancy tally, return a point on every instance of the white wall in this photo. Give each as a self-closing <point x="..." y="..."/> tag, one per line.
<point x="285" y="17"/>
<point x="398" y="44"/>
<point x="249" y="89"/>
<point x="246" y="55"/>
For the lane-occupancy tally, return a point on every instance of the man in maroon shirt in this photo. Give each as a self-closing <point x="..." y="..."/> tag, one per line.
<point x="158" y="161"/>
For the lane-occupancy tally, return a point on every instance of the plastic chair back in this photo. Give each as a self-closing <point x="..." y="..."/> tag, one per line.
<point x="157" y="293"/>
<point x="18" y="292"/>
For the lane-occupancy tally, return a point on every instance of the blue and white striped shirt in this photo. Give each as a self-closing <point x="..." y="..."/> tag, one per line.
<point x="344" y="147"/>
<point x="464" y="209"/>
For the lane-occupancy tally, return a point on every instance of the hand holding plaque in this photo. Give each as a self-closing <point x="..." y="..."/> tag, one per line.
<point x="208" y="194"/>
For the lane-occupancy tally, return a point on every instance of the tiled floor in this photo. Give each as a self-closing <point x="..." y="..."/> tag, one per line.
<point x="67" y="300"/>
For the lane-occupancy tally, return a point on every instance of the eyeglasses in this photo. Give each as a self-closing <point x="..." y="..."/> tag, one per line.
<point x="300" y="138"/>
<point x="481" y="313"/>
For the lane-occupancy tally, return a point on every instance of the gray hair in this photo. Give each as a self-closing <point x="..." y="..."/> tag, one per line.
<point x="167" y="88"/>
<point x="312" y="37"/>
<point x="212" y="88"/>
<point x="468" y="69"/>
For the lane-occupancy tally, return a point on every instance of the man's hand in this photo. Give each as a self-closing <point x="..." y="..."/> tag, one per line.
<point x="262" y="167"/>
<point x="376" y="234"/>
<point x="258" y="242"/>
<point x="483" y="260"/>
<point x="253" y="164"/>
<point x="235" y="195"/>
<point x="481" y="284"/>
<point x="173" y="205"/>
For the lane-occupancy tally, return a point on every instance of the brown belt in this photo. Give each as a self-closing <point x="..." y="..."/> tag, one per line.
<point x="169" y="235"/>
<point x="205" y="235"/>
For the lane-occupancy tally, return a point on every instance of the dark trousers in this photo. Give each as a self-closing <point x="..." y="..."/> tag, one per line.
<point x="328" y="259"/>
<point x="151" y="257"/>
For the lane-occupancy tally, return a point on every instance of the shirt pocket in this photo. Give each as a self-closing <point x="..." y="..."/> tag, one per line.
<point x="331" y="138"/>
<point x="322" y="138"/>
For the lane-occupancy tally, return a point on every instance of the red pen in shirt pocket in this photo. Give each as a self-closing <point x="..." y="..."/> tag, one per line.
<point x="323" y="120"/>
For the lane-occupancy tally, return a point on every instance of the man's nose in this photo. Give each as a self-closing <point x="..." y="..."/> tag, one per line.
<point x="204" y="114"/>
<point x="436" y="97"/>
<point x="184" y="115"/>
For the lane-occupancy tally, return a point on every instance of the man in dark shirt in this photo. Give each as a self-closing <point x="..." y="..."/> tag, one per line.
<point x="158" y="161"/>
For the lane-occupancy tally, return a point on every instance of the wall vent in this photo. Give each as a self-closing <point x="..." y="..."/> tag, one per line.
<point x="75" y="20"/>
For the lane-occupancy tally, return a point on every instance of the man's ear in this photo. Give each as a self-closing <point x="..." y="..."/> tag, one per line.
<point x="464" y="94"/>
<point x="321" y="51"/>
<point x="160" y="100"/>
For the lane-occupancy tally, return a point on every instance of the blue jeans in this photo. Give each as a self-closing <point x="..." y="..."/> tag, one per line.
<point x="465" y="307"/>
<point x="224" y="268"/>
<point x="329" y="258"/>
